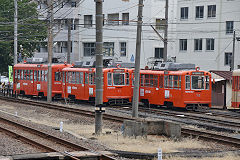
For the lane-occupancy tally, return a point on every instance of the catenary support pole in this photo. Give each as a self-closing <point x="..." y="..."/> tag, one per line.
<point x="69" y="40"/>
<point x="50" y="50"/>
<point x="233" y="51"/>
<point x="15" y="30"/>
<point x="165" y="33"/>
<point x="99" y="66"/>
<point x="137" y="61"/>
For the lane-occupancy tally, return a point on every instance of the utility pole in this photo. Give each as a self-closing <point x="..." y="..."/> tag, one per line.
<point x="137" y="61"/>
<point x="69" y="41"/>
<point x="165" y="33"/>
<point x="15" y="30"/>
<point x="50" y="50"/>
<point x="233" y="51"/>
<point x="99" y="67"/>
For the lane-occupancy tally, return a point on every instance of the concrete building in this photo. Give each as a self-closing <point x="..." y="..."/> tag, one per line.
<point x="199" y="32"/>
<point x="63" y="11"/>
<point x="119" y="31"/>
<point x="204" y="33"/>
<point x="120" y="28"/>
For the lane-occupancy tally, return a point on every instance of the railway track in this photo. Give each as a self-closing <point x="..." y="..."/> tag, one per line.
<point x="205" y="135"/>
<point x="210" y="119"/>
<point x="41" y="140"/>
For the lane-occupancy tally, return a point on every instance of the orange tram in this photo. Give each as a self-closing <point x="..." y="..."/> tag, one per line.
<point x="184" y="88"/>
<point x="31" y="79"/>
<point x="79" y="83"/>
<point x="190" y="89"/>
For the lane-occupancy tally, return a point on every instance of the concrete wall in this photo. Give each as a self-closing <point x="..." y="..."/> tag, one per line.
<point x="144" y="128"/>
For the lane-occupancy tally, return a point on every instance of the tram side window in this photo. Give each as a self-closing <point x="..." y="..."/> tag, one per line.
<point x="86" y="78"/>
<point x="24" y="75"/>
<point x="15" y="76"/>
<point x="175" y="82"/>
<point x="142" y="80"/>
<point x="19" y="74"/>
<point x="31" y="75"/>
<point x="109" y="78"/>
<point x="147" y="80"/>
<point x="35" y="75"/>
<point x="43" y="76"/>
<point x="77" y="78"/>
<point x="237" y="83"/>
<point x="161" y="82"/>
<point x="63" y="77"/>
<point x="69" y="77"/>
<point x="57" y="76"/>
<point x="127" y="78"/>
<point x="165" y="81"/>
<point x="207" y="82"/>
<point x="133" y="79"/>
<point x="28" y="74"/>
<point x="187" y="79"/>
<point x="73" y="77"/>
<point x="170" y="81"/>
<point x="38" y="76"/>
<point x="155" y="80"/>
<point x="179" y="83"/>
<point x="81" y="78"/>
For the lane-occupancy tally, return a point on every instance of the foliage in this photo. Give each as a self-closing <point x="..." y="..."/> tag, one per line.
<point x="31" y="30"/>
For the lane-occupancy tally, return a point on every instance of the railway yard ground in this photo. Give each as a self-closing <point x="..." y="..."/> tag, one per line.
<point x="79" y="129"/>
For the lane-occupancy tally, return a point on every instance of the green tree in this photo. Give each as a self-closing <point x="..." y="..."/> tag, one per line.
<point x="31" y="30"/>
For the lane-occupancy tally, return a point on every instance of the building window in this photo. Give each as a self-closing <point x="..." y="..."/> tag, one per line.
<point x="125" y="19"/>
<point x="87" y="21"/>
<point x="108" y="48"/>
<point x="198" y="44"/>
<point x="183" y="44"/>
<point x="89" y="49"/>
<point x="229" y="27"/>
<point x="74" y="4"/>
<point x="158" y="52"/>
<point x="228" y="59"/>
<point x="123" y="49"/>
<point x="184" y="13"/>
<point x="160" y="24"/>
<point x="212" y="11"/>
<point x="113" y="19"/>
<point x="210" y="44"/>
<point x="199" y="11"/>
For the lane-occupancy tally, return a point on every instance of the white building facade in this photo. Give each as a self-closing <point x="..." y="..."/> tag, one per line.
<point x="204" y="33"/>
<point x="120" y="29"/>
<point x="63" y="10"/>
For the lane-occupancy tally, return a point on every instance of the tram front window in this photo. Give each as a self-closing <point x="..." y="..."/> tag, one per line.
<point x="118" y="79"/>
<point x="197" y="82"/>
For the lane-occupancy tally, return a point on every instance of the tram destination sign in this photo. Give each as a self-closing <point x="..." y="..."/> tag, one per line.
<point x="197" y="73"/>
<point x="118" y="70"/>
